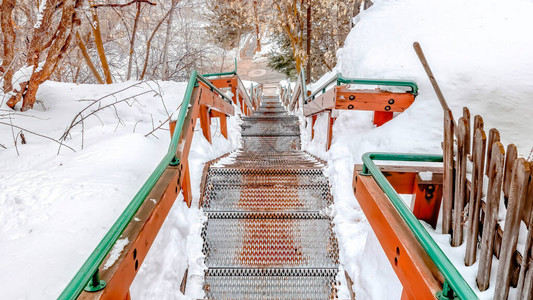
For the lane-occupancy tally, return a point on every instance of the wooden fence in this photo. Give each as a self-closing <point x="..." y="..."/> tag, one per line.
<point x="470" y="211"/>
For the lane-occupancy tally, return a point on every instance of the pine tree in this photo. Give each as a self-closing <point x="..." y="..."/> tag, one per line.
<point x="283" y="59"/>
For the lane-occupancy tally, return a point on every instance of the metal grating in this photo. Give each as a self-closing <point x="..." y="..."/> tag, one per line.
<point x="257" y="198"/>
<point x="271" y="127"/>
<point x="269" y="242"/>
<point x="270" y="144"/>
<point x="282" y="160"/>
<point x="270" y="284"/>
<point x="267" y="234"/>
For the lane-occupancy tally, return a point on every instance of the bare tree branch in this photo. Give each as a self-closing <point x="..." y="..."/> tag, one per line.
<point x="37" y="134"/>
<point x="122" y="5"/>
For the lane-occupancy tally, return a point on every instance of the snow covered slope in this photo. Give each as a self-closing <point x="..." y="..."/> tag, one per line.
<point x="56" y="208"/>
<point x="480" y="52"/>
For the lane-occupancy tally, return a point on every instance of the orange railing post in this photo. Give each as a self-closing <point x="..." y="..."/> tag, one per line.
<point x="205" y="122"/>
<point x="331" y="121"/>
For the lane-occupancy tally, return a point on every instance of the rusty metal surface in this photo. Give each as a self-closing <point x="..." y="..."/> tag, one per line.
<point x="266" y="190"/>
<point x="268" y="234"/>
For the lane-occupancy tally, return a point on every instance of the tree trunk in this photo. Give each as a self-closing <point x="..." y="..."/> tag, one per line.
<point x="132" y="43"/>
<point x="40" y="31"/>
<point x="295" y="34"/>
<point x="149" y="43"/>
<point x="257" y="29"/>
<point x="99" y="44"/>
<point x="308" y="42"/>
<point x="87" y="58"/>
<point x="10" y="36"/>
<point x="62" y="38"/>
<point x="164" y="70"/>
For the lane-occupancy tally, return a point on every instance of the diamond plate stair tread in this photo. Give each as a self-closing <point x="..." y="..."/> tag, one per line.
<point x="261" y="243"/>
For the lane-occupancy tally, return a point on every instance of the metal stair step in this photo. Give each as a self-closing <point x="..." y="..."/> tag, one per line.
<point x="270" y="144"/>
<point x="266" y="177"/>
<point x="269" y="242"/>
<point x="289" y="159"/>
<point x="278" y="197"/>
<point x="270" y="284"/>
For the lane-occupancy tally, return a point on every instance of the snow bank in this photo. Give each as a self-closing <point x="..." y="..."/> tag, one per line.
<point x="56" y="208"/>
<point x="479" y="51"/>
<point x="178" y="245"/>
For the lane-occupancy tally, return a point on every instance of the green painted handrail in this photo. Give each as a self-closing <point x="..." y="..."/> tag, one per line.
<point x="220" y="74"/>
<point x="385" y="82"/>
<point x="234" y="72"/>
<point x="338" y="79"/>
<point x="213" y="88"/>
<point x="452" y="277"/>
<point x="90" y="267"/>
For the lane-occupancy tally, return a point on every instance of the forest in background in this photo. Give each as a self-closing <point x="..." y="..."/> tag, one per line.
<point x="89" y="41"/>
<point x="306" y="34"/>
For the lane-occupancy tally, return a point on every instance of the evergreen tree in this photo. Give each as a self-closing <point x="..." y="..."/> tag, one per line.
<point x="283" y="59"/>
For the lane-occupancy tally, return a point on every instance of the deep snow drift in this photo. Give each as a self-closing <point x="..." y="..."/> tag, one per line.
<point x="480" y="52"/>
<point x="56" y="208"/>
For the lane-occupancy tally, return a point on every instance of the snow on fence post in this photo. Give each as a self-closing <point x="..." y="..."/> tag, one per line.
<point x="448" y="172"/>
<point x="460" y="182"/>
<point x="519" y="184"/>
<point x="474" y="205"/>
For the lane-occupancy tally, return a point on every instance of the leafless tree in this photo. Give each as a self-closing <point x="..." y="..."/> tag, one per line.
<point x="55" y="38"/>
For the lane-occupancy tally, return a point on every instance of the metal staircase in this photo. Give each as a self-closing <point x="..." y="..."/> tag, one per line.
<point x="268" y="234"/>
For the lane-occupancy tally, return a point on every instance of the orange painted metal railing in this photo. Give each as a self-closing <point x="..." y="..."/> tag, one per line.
<point x="338" y="94"/>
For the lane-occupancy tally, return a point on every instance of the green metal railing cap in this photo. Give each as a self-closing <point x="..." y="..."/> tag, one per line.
<point x="338" y="79"/>
<point x="234" y="72"/>
<point x="383" y="82"/>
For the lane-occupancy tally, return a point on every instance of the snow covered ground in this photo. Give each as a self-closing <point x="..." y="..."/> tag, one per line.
<point x="480" y="52"/>
<point x="55" y="208"/>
